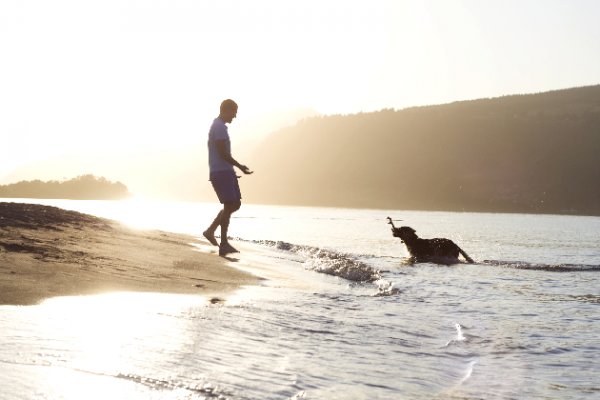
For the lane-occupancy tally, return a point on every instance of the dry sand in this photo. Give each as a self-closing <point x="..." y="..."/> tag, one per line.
<point x="47" y="251"/>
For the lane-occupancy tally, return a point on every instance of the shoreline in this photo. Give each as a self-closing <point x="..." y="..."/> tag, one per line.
<point x="49" y="252"/>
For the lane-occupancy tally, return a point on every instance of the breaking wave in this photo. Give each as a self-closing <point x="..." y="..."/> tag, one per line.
<point x="337" y="264"/>
<point x="542" y="267"/>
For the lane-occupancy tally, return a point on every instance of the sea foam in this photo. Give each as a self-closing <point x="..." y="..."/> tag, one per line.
<point x="335" y="263"/>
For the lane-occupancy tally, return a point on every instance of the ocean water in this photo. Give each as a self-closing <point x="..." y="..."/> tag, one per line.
<point x="342" y="313"/>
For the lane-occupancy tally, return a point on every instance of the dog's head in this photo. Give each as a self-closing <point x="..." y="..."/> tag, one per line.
<point x="405" y="233"/>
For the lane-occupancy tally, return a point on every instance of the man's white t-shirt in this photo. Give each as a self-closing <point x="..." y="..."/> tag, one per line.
<point x="218" y="131"/>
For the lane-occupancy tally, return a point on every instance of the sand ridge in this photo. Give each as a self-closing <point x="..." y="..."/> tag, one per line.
<point x="47" y="251"/>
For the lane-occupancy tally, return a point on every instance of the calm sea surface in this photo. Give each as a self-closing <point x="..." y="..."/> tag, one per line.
<point x="343" y="314"/>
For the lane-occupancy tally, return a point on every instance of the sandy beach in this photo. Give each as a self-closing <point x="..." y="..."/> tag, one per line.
<point x="47" y="252"/>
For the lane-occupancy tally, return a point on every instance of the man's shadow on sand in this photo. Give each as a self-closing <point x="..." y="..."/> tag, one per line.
<point x="230" y="258"/>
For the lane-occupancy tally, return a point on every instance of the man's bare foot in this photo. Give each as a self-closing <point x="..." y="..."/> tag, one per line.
<point x="226" y="248"/>
<point x="211" y="238"/>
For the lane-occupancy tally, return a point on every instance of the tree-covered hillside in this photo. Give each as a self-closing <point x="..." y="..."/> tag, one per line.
<point x="525" y="153"/>
<point x="84" y="187"/>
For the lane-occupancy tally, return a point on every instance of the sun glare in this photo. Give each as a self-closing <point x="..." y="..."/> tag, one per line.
<point x="106" y="335"/>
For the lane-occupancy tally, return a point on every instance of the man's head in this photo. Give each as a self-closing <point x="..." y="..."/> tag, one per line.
<point x="228" y="110"/>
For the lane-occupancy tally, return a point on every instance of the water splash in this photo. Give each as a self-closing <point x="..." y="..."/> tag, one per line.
<point x="385" y="288"/>
<point x="459" y="335"/>
<point x="336" y="264"/>
<point x="328" y="262"/>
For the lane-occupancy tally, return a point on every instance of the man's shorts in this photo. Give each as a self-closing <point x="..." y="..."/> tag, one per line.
<point x="226" y="186"/>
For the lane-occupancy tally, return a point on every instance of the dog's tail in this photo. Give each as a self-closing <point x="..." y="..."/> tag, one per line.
<point x="465" y="255"/>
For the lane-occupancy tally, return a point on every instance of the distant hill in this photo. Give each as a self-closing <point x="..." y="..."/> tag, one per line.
<point x="84" y="187"/>
<point x="162" y="174"/>
<point x="536" y="153"/>
<point x="260" y="126"/>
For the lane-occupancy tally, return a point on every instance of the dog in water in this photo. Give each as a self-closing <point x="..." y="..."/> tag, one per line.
<point x="427" y="249"/>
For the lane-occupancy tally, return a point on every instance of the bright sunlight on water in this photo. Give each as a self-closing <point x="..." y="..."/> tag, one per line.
<point x="366" y="322"/>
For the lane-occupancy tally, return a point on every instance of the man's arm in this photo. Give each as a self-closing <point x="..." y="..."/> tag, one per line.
<point x="222" y="147"/>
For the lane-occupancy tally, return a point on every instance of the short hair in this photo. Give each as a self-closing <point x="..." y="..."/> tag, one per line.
<point x="228" y="105"/>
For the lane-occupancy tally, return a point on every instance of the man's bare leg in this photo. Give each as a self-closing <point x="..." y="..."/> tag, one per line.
<point x="228" y="208"/>
<point x="209" y="234"/>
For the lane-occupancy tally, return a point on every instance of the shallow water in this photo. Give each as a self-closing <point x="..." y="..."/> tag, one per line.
<point x="522" y="322"/>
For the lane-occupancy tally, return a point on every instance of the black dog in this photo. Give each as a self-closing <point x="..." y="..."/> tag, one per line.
<point x="427" y="249"/>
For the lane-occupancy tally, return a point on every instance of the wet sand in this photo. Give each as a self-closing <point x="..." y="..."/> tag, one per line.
<point x="47" y="252"/>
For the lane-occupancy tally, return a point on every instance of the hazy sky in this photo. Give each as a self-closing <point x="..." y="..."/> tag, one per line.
<point x="120" y="75"/>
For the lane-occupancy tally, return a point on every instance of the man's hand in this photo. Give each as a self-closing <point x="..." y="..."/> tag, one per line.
<point x="222" y="147"/>
<point x="246" y="170"/>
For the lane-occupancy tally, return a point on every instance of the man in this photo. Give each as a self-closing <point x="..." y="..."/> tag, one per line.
<point x="222" y="175"/>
